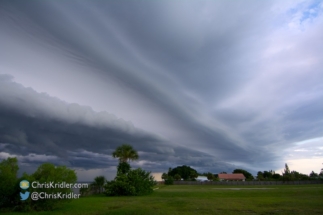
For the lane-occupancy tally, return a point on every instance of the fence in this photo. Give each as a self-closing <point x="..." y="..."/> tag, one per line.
<point x="247" y="182"/>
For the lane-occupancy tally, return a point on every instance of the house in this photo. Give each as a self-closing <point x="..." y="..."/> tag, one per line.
<point x="201" y="178"/>
<point x="232" y="177"/>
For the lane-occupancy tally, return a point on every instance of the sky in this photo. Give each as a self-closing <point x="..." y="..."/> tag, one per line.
<point x="215" y="85"/>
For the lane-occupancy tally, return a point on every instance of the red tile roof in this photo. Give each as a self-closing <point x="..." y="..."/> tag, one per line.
<point x="234" y="176"/>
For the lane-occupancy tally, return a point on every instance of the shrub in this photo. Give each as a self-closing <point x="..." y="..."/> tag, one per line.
<point x="84" y="191"/>
<point x="169" y="180"/>
<point x="120" y="187"/>
<point x="135" y="183"/>
<point x="142" y="181"/>
<point x="9" y="187"/>
<point x="123" y="168"/>
<point x="97" y="184"/>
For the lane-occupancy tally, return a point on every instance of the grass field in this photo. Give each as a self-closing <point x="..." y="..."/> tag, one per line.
<point x="204" y="199"/>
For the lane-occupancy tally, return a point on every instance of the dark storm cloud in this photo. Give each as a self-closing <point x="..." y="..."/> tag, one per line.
<point x="38" y="123"/>
<point x="80" y="139"/>
<point x="64" y="33"/>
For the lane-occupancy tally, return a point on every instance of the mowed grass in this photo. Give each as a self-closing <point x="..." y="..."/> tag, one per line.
<point x="204" y="199"/>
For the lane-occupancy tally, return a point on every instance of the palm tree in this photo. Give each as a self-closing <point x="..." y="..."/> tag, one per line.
<point x="125" y="153"/>
<point x="98" y="183"/>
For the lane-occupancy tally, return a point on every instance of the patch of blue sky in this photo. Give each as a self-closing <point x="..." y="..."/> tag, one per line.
<point x="300" y="15"/>
<point x="312" y="11"/>
<point x="318" y="139"/>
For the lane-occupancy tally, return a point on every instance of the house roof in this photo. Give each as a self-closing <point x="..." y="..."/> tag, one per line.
<point x="234" y="176"/>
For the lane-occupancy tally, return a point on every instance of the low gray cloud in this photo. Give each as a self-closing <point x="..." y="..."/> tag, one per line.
<point x="38" y="128"/>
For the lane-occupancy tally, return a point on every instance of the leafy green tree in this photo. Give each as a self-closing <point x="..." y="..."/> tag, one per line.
<point x="123" y="168"/>
<point x="164" y="176"/>
<point x="169" y="180"/>
<point x="246" y="174"/>
<point x="193" y="175"/>
<point x="260" y="176"/>
<point x="185" y="171"/>
<point x="287" y="176"/>
<point x="125" y="153"/>
<point x="8" y="182"/>
<point x="303" y="177"/>
<point x="276" y="176"/>
<point x="295" y="175"/>
<point x="216" y="178"/>
<point x="169" y="170"/>
<point x="268" y="175"/>
<point x="265" y="175"/>
<point x="314" y="175"/>
<point x="98" y="184"/>
<point x="286" y="170"/>
<point x="210" y="176"/>
<point x="177" y="177"/>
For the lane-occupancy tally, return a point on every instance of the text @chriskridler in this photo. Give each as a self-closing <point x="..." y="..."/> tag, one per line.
<point x="24" y="184"/>
<point x="43" y="195"/>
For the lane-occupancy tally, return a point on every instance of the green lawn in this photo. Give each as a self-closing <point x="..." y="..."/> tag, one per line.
<point x="204" y="199"/>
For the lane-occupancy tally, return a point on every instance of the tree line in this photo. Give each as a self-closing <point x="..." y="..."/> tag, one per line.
<point x="187" y="173"/>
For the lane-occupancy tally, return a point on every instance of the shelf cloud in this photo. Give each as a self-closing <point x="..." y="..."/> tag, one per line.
<point x="216" y="85"/>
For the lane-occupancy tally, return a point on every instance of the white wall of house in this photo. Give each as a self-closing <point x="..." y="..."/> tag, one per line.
<point x="201" y="178"/>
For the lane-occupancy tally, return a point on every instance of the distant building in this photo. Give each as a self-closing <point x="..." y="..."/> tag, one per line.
<point x="232" y="177"/>
<point x="201" y="178"/>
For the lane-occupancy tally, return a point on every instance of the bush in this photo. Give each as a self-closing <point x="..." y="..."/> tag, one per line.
<point x="120" y="187"/>
<point x="97" y="184"/>
<point x="123" y="168"/>
<point x="9" y="187"/>
<point x="134" y="183"/>
<point x="85" y="191"/>
<point x="169" y="180"/>
<point x="142" y="181"/>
